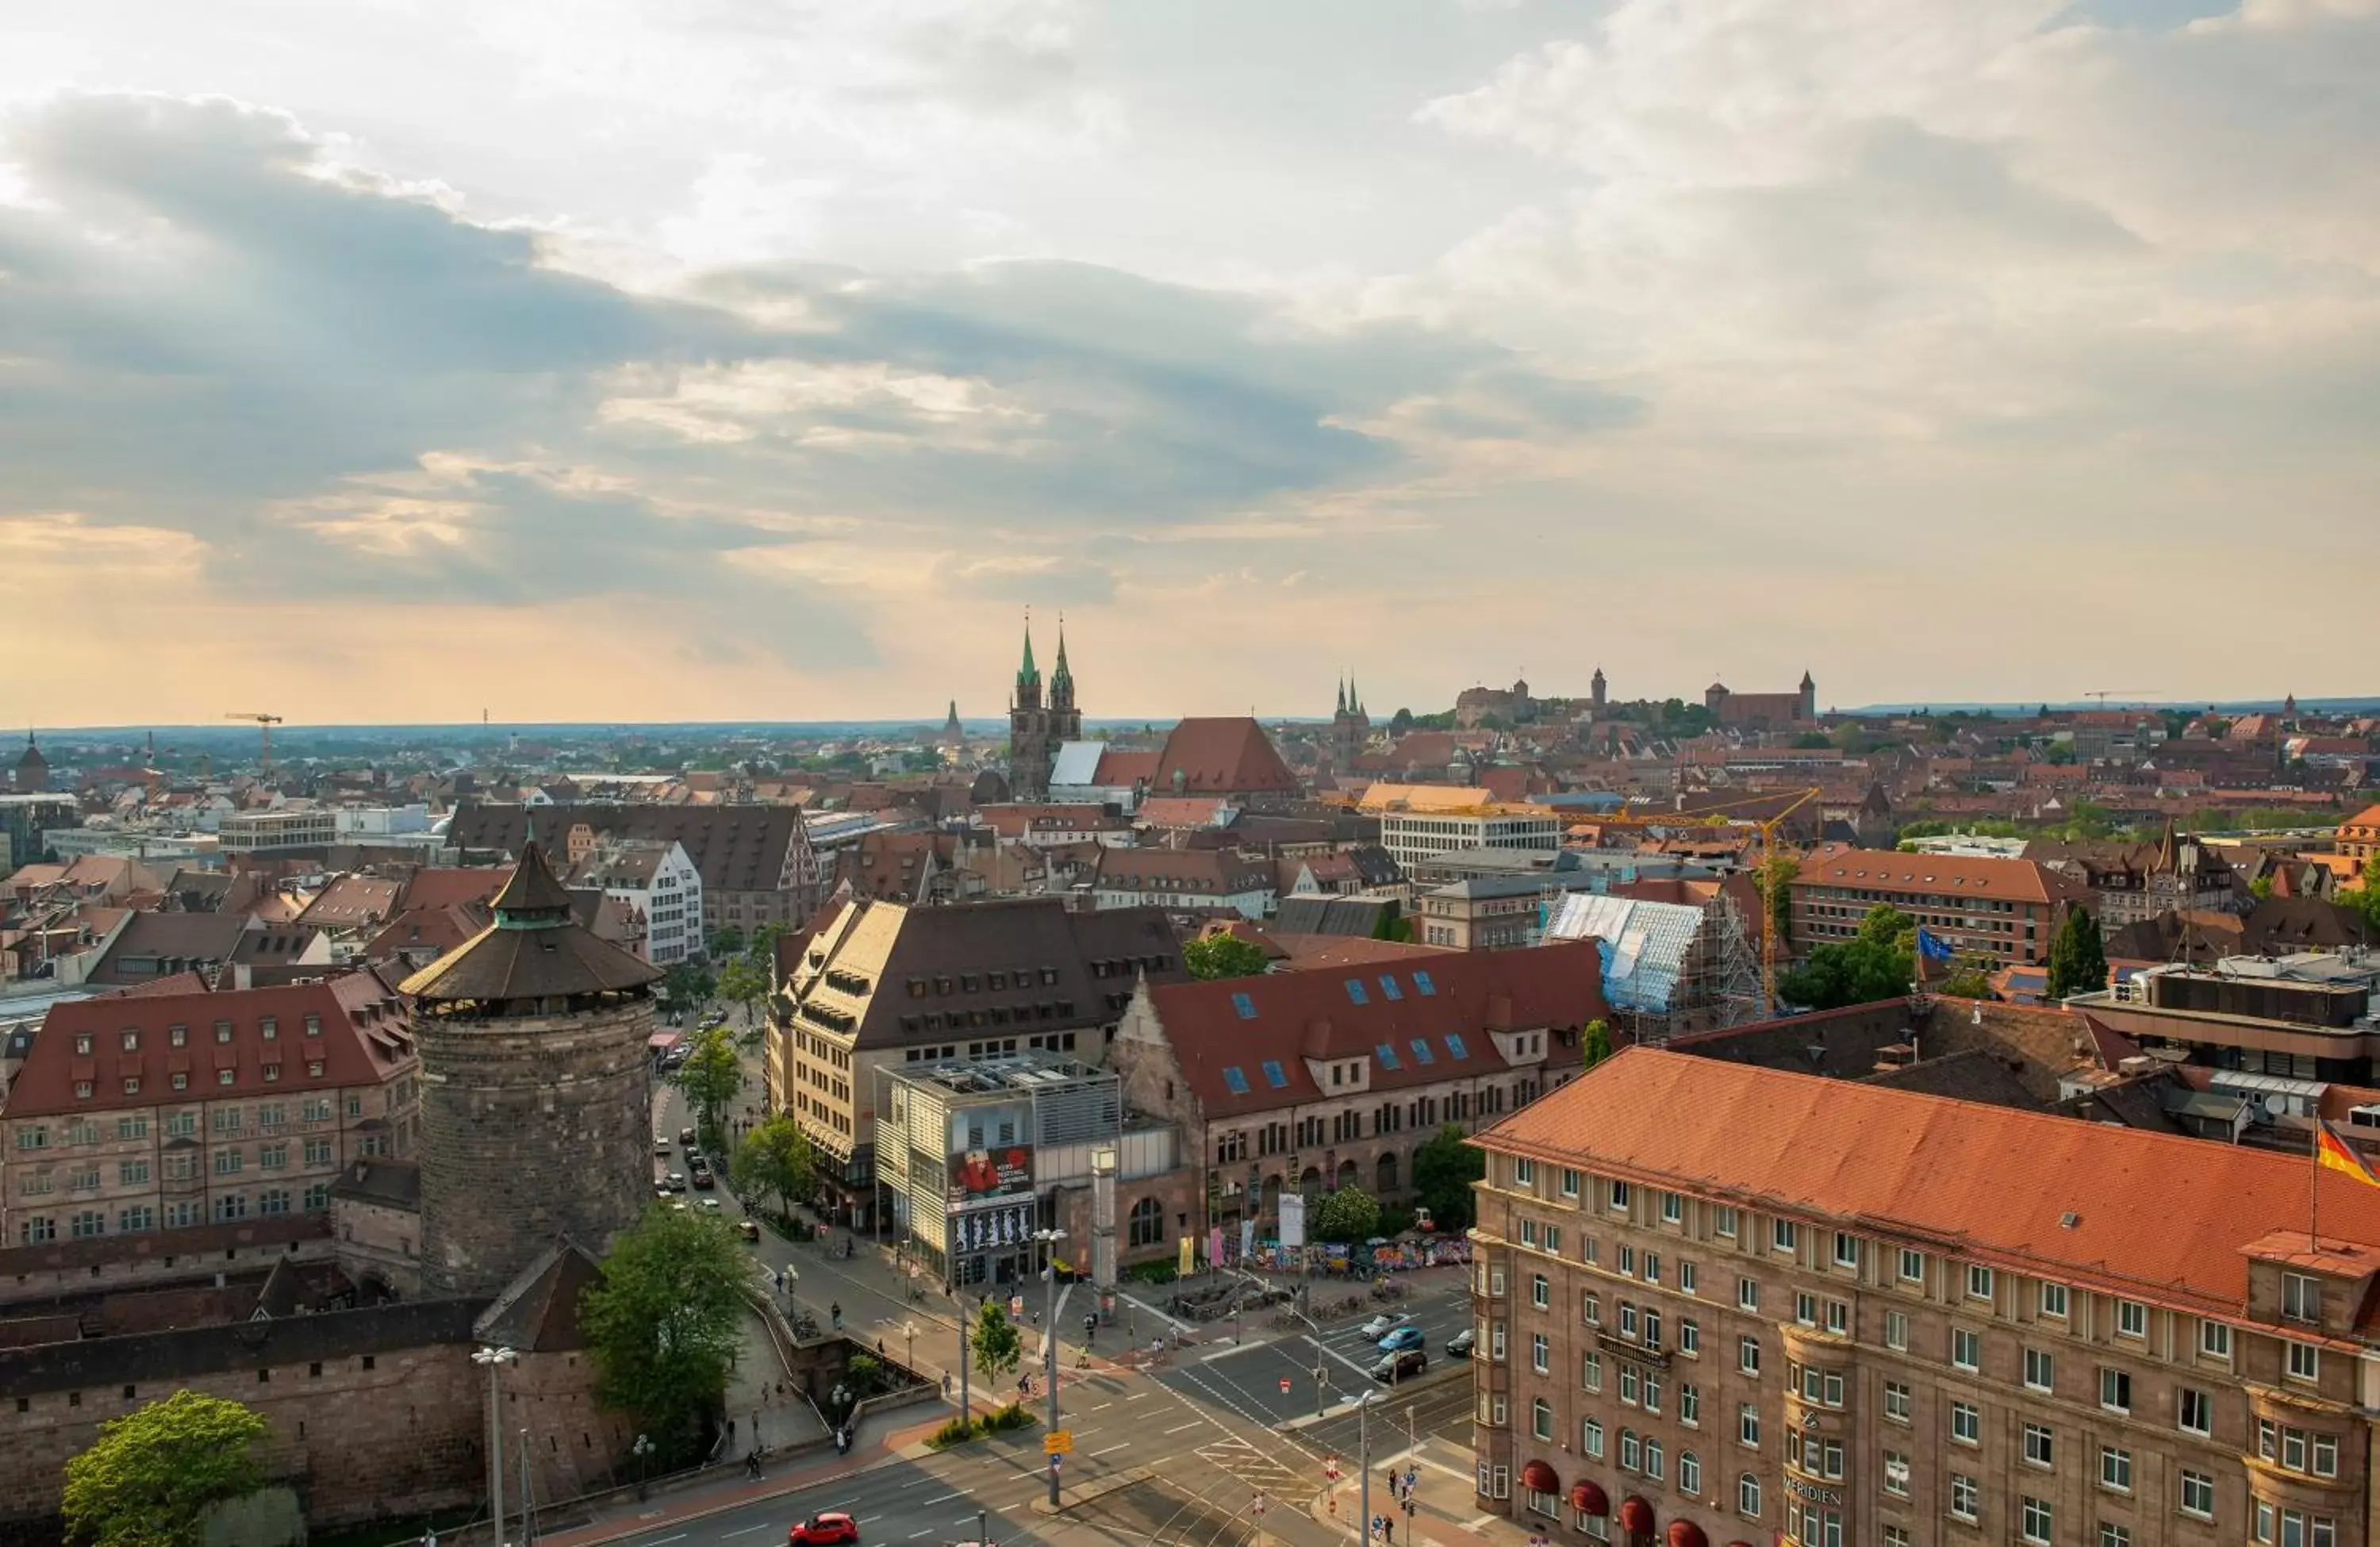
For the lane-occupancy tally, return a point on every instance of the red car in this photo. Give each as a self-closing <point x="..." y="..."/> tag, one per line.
<point x="822" y="1530"/>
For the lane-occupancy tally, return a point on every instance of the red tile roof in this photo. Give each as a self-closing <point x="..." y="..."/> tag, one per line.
<point x="1123" y="766"/>
<point x="1951" y="875"/>
<point x="362" y="1041"/>
<point x="1988" y="1183"/>
<point x="1314" y="1014"/>
<point x="1224" y="756"/>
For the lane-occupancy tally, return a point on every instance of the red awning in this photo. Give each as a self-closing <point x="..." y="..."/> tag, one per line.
<point x="663" y="1040"/>
<point x="1539" y="1477"/>
<point x="1588" y="1499"/>
<point x="1685" y="1533"/>
<point x="1635" y="1516"/>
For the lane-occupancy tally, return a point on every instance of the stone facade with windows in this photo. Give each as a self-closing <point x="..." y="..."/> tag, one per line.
<point x="1696" y="1325"/>
<point x="137" y="1113"/>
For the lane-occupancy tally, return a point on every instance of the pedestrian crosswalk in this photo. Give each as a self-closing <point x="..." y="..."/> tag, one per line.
<point x="1251" y="1466"/>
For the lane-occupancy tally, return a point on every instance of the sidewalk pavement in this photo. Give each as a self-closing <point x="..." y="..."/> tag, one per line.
<point x="1445" y="1508"/>
<point x="633" y="1517"/>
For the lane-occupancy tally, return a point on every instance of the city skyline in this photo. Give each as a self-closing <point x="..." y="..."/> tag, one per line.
<point x="660" y="367"/>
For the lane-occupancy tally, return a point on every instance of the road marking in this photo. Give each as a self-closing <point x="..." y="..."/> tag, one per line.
<point x="746" y="1530"/>
<point x="1111" y="1450"/>
<point x="944" y="1498"/>
<point x="915" y="1535"/>
<point x="1235" y="1348"/>
<point x="1137" y="1395"/>
<point x="1195" y="1423"/>
<point x="658" y="1541"/>
<point x="1097" y="1409"/>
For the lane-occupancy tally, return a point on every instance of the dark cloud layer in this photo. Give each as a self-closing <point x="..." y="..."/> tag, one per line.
<point x="207" y="325"/>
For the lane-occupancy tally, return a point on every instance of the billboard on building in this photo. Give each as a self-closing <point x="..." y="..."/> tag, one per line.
<point x="977" y="1176"/>
<point x="1293" y="1219"/>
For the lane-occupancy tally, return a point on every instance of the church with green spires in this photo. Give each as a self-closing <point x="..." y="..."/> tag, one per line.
<point x="1039" y="726"/>
<point x="1350" y="726"/>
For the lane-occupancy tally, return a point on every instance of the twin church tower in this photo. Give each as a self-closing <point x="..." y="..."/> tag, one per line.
<point x="1038" y="729"/>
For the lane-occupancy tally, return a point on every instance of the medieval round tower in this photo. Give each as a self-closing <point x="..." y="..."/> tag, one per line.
<point x="535" y="1106"/>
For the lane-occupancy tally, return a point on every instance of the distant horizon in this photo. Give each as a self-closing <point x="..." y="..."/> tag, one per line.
<point x="990" y="724"/>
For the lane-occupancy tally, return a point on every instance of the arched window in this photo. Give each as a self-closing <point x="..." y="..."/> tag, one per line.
<point x="1690" y="1472"/>
<point x="1747" y="1495"/>
<point x="1146" y="1226"/>
<point x="1387" y="1174"/>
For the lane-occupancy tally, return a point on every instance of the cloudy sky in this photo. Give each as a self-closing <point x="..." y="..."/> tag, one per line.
<point x="392" y="360"/>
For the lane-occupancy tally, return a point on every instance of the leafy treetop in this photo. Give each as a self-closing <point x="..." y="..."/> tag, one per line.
<point x="148" y="1479"/>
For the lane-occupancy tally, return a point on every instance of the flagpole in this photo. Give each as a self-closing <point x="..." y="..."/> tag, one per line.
<point x="2314" y="1193"/>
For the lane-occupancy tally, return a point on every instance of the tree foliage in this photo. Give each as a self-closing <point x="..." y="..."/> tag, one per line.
<point x="1443" y="1170"/>
<point x="2365" y="899"/>
<point x="744" y="982"/>
<point x="1594" y="1043"/>
<point x="1348" y="1214"/>
<point x="1969" y="979"/>
<point x="711" y="1077"/>
<point x="2078" y="958"/>
<point x="727" y="941"/>
<point x="998" y="1349"/>
<point x="1878" y="963"/>
<point x="1223" y="956"/>
<point x="148" y="1479"/>
<point x="686" y="984"/>
<point x="663" y="1324"/>
<point x="775" y="1160"/>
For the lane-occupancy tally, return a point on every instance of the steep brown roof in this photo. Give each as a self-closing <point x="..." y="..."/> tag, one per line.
<point x="1951" y="875"/>
<point x="534" y="950"/>
<point x="443" y="887"/>
<point x="1291" y="1017"/>
<point x="737" y="848"/>
<point x="2000" y="1183"/>
<point x="1222" y="756"/>
<point x="359" y="1041"/>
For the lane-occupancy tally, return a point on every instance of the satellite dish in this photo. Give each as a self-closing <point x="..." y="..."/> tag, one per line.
<point x="2276" y="1105"/>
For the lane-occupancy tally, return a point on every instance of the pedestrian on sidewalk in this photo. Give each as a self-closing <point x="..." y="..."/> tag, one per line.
<point x="835" y="1310"/>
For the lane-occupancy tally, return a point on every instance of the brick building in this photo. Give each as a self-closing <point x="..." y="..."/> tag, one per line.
<point x="134" y="1113"/>
<point x="2004" y="910"/>
<point x="755" y="862"/>
<point x="1721" y="1303"/>
<point x="1321" y="1080"/>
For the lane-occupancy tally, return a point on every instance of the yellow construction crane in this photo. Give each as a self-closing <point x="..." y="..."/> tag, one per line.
<point x="1714" y="815"/>
<point x="264" y="724"/>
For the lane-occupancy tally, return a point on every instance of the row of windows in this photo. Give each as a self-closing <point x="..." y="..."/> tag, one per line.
<point x="133" y="1219"/>
<point x="178" y="1035"/>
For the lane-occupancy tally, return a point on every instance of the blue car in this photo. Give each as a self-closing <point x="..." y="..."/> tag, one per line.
<point x="1402" y="1339"/>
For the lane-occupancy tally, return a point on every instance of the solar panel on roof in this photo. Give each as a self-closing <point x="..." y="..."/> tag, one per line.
<point x="1388" y="1056"/>
<point x="1422" y="1054"/>
<point x="1273" y="1075"/>
<point x="1245" y="1006"/>
<point x="1421" y="981"/>
<point x="1355" y="992"/>
<point x="1233" y="1080"/>
<point x="1389" y="987"/>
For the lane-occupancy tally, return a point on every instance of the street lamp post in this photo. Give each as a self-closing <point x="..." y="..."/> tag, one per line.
<point x="1050" y="1239"/>
<point x="1363" y="1459"/>
<point x="642" y="1448"/>
<point x="494" y="1359"/>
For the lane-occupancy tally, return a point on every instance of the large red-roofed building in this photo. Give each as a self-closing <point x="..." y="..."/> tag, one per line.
<point x="1721" y="1303"/>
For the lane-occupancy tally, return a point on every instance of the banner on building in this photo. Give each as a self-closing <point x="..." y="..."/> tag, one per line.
<point x="981" y="1175"/>
<point x="1214" y="1243"/>
<point x="1247" y="1240"/>
<point x="1006" y="1226"/>
<point x="1185" y="1266"/>
<point x="1293" y="1219"/>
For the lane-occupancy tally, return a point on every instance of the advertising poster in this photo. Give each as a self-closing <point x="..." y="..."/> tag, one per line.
<point x="979" y="1174"/>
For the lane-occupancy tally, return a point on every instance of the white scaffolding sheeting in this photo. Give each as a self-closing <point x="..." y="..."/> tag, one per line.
<point x="1644" y="945"/>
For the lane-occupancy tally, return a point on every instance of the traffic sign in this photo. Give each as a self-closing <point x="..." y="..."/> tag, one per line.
<point x="1284" y="1385"/>
<point x="1330" y="1468"/>
<point x="1059" y="1441"/>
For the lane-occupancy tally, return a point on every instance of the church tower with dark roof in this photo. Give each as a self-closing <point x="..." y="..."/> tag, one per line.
<point x="32" y="769"/>
<point x="1038" y="729"/>
<point x="535" y="1106"/>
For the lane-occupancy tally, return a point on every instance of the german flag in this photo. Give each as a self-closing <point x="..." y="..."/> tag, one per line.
<point x="2332" y="1152"/>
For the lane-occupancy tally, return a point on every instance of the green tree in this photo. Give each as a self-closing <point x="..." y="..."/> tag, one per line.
<point x="664" y="1323"/>
<point x="1968" y="980"/>
<point x="2078" y="958"/>
<point x="1400" y="721"/>
<point x="775" y="1160"/>
<point x="2260" y="888"/>
<point x="1878" y="963"/>
<point x="742" y="982"/>
<point x="1223" y="956"/>
<point x="1594" y="1043"/>
<point x="1443" y="1170"/>
<point x="2365" y="899"/>
<point x="1393" y="926"/>
<point x="711" y="1077"/>
<point x="687" y="985"/>
<point x="727" y="942"/>
<point x="1812" y="740"/>
<point x="150" y="1475"/>
<point x="760" y="950"/>
<point x="1348" y="1214"/>
<point x="998" y="1349"/>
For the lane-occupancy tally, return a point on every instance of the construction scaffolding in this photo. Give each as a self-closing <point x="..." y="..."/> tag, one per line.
<point x="1668" y="967"/>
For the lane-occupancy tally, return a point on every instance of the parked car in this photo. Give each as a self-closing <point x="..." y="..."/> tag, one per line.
<point x="675" y="1181"/>
<point x="1378" y="1325"/>
<point x="1397" y="1366"/>
<point x="1459" y="1346"/>
<point x="711" y="1205"/>
<point x="821" y="1530"/>
<point x="1400" y="1339"/>
<point x="686" y="1136"/>
<point x="704" y="1181"/>
<point x="748" y="1229"/>
<point x="660" y="1144"/>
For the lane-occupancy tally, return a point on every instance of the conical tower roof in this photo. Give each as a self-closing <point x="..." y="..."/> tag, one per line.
<point x="535" y="950"/>
<point x="1026" y="671"/>
<point x="1062" y="672"/>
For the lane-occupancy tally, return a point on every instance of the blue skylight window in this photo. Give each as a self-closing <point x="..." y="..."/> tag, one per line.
<point x="1422" y="1054"/>
<point x="1454" y="1046"/>
<point x="1388" y="1056"/>
<point x="1355" y="992"/>
<point x="1234" y="1080"/>
<point x="1245" y="1006"/>
<point x="1389" y="989"/>
<point x="1421" y="981"/>
<point x="1273" y="1076"/>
